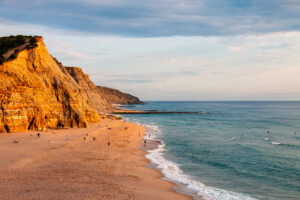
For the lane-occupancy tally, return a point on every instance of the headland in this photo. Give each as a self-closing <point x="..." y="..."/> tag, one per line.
<point x="58" y="139"/>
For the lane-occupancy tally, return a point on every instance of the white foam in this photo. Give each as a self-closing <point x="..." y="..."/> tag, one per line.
<point x="276" y="143"/>
<point x="173" y="172"/>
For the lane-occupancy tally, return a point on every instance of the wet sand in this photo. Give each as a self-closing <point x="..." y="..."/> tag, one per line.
<point x="105" y="161"/>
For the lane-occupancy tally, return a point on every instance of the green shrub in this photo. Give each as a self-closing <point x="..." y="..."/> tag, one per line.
<point x="1" y="60"/>
<point x="10" y="42"/>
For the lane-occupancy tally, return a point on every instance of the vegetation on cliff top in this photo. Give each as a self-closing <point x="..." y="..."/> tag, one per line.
<point x="11" y="42"/>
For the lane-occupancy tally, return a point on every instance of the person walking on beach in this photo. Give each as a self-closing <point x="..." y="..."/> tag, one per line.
<point x="145" y="142"/>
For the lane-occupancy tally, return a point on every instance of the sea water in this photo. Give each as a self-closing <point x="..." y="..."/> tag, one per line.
<point x="232" y="150"/>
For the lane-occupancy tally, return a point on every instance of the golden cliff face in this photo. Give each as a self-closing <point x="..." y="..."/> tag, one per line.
<point x="90" y="90"/>
<point x="36" y="93"/>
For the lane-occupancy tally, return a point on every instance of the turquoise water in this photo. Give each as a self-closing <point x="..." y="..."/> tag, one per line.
<point x="227" y="152"/>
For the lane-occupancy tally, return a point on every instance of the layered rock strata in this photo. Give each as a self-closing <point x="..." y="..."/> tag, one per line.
<point x="36" y="92"/>
<point x="96" y="99"/>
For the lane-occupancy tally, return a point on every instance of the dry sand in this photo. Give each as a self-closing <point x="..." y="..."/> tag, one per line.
<point x="61" y="165"/>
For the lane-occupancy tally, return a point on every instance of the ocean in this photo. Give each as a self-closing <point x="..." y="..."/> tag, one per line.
<point x="231" y="151"/>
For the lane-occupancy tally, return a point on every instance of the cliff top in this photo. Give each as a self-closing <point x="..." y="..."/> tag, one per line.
<point x="11" y="45"/>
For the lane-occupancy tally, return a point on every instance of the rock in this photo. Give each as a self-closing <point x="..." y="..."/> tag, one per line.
<point x="117" y="97"/>
<point x="92" y="93"/>
<point x="36" y="92"/>
<point x="117" y="117"/>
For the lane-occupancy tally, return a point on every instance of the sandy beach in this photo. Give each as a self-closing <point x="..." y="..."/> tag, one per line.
<point x="105" y="161"/>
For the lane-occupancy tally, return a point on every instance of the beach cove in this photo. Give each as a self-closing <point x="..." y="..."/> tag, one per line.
<point x="105" y="161"/>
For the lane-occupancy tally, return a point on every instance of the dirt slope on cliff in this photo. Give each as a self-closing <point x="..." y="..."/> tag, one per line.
<point x="36" y="93"/>
<point x="117" y="97"/>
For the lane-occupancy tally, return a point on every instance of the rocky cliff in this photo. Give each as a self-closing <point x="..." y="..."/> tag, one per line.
<point x="37" y="92"/>
<point x="117" y="97"/>
<point x="94" y="96"/>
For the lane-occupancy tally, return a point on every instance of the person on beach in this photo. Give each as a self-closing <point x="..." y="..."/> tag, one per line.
<point x="145" y="142"/>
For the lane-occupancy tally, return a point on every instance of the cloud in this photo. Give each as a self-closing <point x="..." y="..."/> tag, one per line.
<point x="142" y="18"/>
<point x="141" y="77"/>
<point x="231" y="67"/>
<point x="130" y="80"/>
<point x="170" y="59"/>
<point x="280" y="47"/>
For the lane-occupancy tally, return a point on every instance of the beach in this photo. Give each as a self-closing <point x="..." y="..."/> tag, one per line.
<point x="104" y="161"/>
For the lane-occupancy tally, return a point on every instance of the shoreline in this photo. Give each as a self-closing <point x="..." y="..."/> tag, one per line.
<point x="105" y="161"/>
<point x="180" y="188"/>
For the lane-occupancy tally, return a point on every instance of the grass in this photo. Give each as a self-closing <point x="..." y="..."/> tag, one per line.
<point x="10" y="42"/>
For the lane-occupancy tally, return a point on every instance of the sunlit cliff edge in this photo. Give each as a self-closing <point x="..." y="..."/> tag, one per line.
<point x="38" y="92"/>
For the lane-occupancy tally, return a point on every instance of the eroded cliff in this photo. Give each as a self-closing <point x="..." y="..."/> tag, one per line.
<point x="97" y="100"/>
<point x="117" y="97"/>
<point x="36" y="92"/>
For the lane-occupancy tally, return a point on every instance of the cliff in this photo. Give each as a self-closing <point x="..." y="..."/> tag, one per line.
<point x="96" y="99"/>
<point x="37" y="92"/>
<point x="117" y="97"/>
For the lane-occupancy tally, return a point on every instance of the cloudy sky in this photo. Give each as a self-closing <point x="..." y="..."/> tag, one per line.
<point x="171" y="49"/>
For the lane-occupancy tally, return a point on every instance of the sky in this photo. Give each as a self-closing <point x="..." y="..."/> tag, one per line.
<point x="171" y="49"/>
